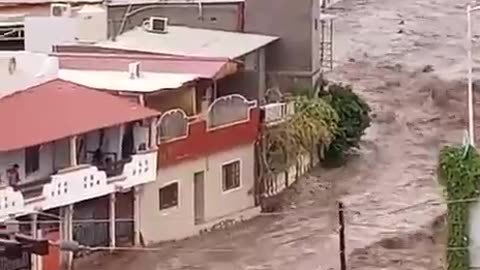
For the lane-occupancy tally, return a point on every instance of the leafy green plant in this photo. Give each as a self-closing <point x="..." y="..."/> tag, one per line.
<point x="314" y="122"/>
<point x="354" y="119"/>
<point x="459" y="172"/>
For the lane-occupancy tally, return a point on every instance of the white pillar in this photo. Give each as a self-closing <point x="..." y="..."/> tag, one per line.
<point x="136" y="216"/>
<point x="66" y="234"/>
<point x="112" y="221"/>
<point x="34" y="234"/>
<point x="73" y="151"/>
<point x="262" y="77"/>
<point x="153" y="133"/>
<point x="39" y="260"/>
<point x="471" y="126"/>
<point x="69" y="227"/>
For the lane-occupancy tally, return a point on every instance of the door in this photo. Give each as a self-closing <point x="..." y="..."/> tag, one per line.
<point x="128" y="144"/>
<point x="199" y="196"/>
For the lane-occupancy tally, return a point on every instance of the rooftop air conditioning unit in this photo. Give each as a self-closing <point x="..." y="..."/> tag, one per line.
<point x="158" y="24"/>
<point x="60" y="10"/>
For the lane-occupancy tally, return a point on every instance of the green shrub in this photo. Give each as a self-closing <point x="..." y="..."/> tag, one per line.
<point x="459" y="173"/>
<point x="354" y="119"/>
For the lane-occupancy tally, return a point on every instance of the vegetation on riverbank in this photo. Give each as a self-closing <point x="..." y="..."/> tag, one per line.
<point x="330" y="120"/>
<point x="459" y="172"/>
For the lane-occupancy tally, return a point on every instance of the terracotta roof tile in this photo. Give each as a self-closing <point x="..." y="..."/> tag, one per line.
<point x="58" y="109"/>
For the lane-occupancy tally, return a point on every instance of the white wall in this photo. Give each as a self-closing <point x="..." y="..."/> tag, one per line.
<point x="61" y="150"/>
<point x="56" y="156"/>
<point x="475" y="234"/>
<point x="42" y="33"/>
<point x="8" y="159"/>
<point x="112" y="141"/>
<point x="31" y="69"/>
<point x="178" y="222"/>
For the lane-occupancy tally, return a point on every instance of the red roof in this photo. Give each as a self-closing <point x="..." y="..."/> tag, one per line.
<point x="204" y="67"/>
<point x="58" y="109"/>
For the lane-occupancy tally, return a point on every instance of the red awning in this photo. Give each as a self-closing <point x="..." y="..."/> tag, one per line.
<point x="58" y="109"/>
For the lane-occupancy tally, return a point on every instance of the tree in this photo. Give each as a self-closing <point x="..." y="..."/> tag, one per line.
<point x="354" y="119"/>
<point x="314" y="122"/>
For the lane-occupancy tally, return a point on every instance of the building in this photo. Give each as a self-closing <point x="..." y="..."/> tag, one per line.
<point x="75" y="154"/>
<point x="20" y="70"/>
<point x="305" y="44"/>
<point x="206" y="169"/>
<point x="14" y="12"/>
<point x="248" y="49"/>
<point x="206" y="146"/>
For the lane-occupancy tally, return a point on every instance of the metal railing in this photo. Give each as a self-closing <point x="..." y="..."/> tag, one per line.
<point x="278" y="112"/>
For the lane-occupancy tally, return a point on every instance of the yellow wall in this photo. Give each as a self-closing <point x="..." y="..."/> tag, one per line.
<point x="165" y="100"/>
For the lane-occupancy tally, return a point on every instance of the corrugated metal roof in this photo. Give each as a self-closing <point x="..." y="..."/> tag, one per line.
<point x="120" y="81"/>
<point x="59" y="109"/>
<point x="182" y="40"/>
<point x="203" y="67"/>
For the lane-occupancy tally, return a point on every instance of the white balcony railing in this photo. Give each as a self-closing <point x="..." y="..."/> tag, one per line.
<point x="11" y="202"/>
<point x="75" y="185"/>
<point x="78" y="184"/>
<point x="141" y="170"/>
<point x="278" y="112"/>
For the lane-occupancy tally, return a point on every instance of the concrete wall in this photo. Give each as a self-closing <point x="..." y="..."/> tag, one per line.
<point x="289" y="60"/>
<point x="178" y="222"/>
<point x="183" y="98"/>
<point x="112" y="141"/>
<point x="280" y="181"/>
<point x="215" y="16"/>
<point x="32" y="69"/>
<point x="292" y="60"/>
<point x="8" y="159"/>
<point x="474" y="235"/>
<point x="56" y="155"/>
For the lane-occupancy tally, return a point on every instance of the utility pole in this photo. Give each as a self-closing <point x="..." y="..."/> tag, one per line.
<point x="341" y="222"/>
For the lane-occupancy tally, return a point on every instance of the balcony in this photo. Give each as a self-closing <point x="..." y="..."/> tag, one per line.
<point x="85" y="182"/>
<point x="79" y="183"/>
<point x="11" y="202"/>
<point x="229" y="121"/>
<point x="276" y="113"/>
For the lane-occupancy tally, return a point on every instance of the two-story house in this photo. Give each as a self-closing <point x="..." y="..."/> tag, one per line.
<point x="206" y="146"/>
<point x="75" y="154"/>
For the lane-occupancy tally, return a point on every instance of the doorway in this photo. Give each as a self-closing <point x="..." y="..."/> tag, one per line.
<point x="199" y="197"/>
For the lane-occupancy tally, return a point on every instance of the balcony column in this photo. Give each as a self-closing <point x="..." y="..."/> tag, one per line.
<point x="73" y="151"/>
<point x="112" y="221"/>
<point x="136" y="215"/>
<point x="262" y="77"/>
<point x="66" y="234"/>
<point x="34" y="234"/>
<point x="153" y="133"/>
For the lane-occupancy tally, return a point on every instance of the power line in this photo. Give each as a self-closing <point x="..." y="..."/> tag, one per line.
<point x="304" y="210"/>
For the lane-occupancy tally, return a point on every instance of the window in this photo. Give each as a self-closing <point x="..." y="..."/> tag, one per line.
<point x="231" y="175"/>
<point x="168" y="196"/>
<point x="32" y="159"/>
